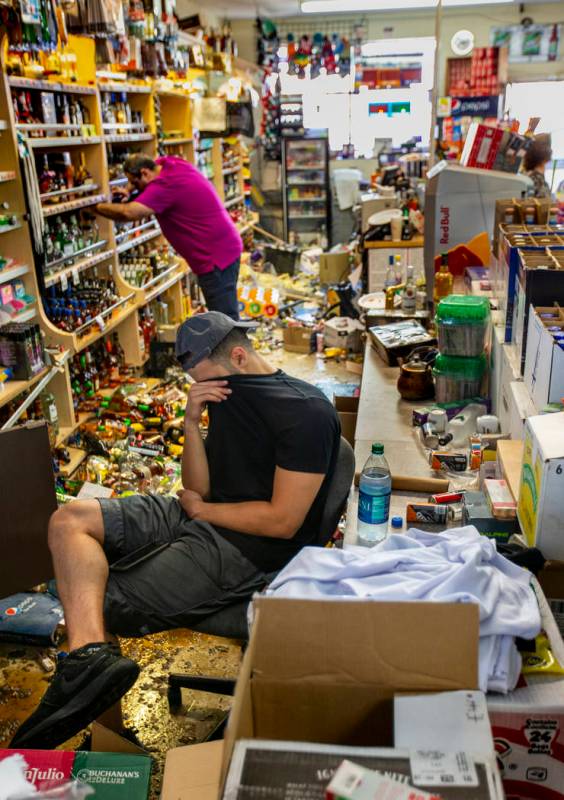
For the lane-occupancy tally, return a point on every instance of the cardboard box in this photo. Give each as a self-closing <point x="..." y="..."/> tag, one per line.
<point x="511" y="211"/>
<point x="510" y="463"/>
<point x="528" y="728"/>
<point x="347" y="408"/>
<point x="193" y="772"/>
<point x="544" y="360"/>
<point x="298" y="339"/>
<point x="534" y="287"/>
<point x="521" y="407"/>
<point x="476" y="511"/>
<point x="541" y="496"/>
<point x="334" y="267"/>
<point x="327" y="671"/>
<point x="123" y="772"/>
<point x="344" y="333"/>
<point x="514" y="241"/>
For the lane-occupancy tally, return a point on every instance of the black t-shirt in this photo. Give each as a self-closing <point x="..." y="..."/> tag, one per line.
<point x="269" y="421"/>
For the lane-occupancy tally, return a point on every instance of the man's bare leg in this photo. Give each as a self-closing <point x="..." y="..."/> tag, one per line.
<point x="76" y="534"/>
<point x="93" y="677"/>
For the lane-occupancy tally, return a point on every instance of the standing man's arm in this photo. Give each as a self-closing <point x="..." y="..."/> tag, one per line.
<point x="123" y="212"/>
<point x="195" y="469"/>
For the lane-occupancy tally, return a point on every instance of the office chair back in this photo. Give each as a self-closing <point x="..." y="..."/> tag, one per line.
<point x="231" y="622"/>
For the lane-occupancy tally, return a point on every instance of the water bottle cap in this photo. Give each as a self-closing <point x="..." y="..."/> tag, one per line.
<point x="397" y="522"/>
<point x="377" y="449"/>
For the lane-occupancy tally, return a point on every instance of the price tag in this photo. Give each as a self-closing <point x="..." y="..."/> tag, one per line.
<point x="64" y="282"/>
<point x="100" y="322"/>
<point x="435" y="768"/>
<point x="75" y="276"/>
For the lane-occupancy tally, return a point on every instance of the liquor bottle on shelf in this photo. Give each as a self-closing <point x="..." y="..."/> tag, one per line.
<point x="47" y="177"/>
<point x="63" y="112"/>
<point x="68" y="172"/>
<point x="76" y="305"/>
<point x="82" y="176"/>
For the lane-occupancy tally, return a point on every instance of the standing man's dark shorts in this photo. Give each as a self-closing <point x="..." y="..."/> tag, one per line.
<point x="219" y="288"/>
<point x="166" y="570"/>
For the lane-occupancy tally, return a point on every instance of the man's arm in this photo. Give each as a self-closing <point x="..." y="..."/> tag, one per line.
<point x="281" y="518"/>
<point x="123" y="212"/>
<point x="195" y="469"/>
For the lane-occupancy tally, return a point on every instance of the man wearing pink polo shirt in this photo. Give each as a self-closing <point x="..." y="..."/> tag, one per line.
<point x="192" y="218"/>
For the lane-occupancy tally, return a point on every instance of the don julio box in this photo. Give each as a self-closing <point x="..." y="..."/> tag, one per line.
<point x="113" y="776"/>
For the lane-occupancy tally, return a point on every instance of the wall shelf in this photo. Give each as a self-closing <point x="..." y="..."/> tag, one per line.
<point x="13" y="273"/>
<point x="8" y="228"/>
<point x="231" y="170"/>
<point x="27" y="314"/>
<point x="82" y="342"/>
<point x="172" y="141"/>
<point x="14" y="388"/>
<point x="63" y="141"/>
<point x="141" y="239"/>
<point x="234" y="200"/>
<point x="49" y="86"/>
<point x="85" y="187"/>
<point x="77" y="457"/>
<point x="128" y="88"/>
<point x="73" y="205"/>
<point x="117" y="138"/>
<point x="68" y="273"/>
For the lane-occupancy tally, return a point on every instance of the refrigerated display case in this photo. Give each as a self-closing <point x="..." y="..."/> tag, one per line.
<point x="306" y="190"/>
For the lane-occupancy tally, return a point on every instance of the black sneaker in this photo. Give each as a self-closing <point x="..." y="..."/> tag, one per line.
<point x="87" y="682"/>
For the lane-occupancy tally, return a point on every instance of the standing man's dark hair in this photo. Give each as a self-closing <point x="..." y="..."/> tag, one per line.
<point x="135" y="163"/>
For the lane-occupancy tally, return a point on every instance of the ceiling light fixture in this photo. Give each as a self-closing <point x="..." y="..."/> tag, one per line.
<point x="336" y="6"/>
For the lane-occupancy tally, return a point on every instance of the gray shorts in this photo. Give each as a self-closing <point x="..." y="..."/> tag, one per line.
<point x="166" y="570"/>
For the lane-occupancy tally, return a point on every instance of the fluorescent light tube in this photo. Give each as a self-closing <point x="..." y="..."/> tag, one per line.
<point x="336" y="6"/>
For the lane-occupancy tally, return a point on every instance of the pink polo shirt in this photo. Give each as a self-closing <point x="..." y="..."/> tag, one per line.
<point x="192" y="216"/>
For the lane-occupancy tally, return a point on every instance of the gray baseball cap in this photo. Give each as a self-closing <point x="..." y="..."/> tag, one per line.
<point x="200" y="334"/>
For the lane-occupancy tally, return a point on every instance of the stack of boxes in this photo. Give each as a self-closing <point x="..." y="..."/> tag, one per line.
<point x="481" y="75"/>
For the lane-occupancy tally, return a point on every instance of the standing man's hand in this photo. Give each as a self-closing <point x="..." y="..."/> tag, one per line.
<point x="120" y="194"/>
<point x="200" y="395"/>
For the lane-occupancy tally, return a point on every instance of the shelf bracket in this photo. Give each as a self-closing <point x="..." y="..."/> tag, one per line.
<point x="37" y="389"/>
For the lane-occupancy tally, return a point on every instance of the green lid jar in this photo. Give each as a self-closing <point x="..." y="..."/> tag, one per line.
<point x="462" y="324"/>
<point x="458" y="378"/>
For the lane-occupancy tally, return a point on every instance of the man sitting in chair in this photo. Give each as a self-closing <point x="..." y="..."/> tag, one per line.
<point x="253" y="495"/>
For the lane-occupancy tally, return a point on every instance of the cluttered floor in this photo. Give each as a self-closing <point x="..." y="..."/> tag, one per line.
<point x="25" y="672"/>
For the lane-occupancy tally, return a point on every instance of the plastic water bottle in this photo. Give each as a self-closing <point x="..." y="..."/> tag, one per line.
<point x="375" y="488"/>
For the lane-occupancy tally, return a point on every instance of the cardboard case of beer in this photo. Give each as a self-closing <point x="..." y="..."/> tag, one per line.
<point x="113" y="776"/>
<point x="541" y="496"/>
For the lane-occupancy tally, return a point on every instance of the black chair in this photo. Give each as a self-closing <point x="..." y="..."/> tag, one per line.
<point x="231" y="622"/>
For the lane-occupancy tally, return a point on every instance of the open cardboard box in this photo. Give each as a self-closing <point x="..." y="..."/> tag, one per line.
<point x="327" y="671"/>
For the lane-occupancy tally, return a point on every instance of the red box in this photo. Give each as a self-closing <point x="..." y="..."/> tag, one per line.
<point x="481" y="146"/>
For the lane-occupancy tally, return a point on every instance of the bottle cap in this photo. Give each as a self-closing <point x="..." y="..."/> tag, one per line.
<point x="397" y="522"/>
<point x="377" y="449"/>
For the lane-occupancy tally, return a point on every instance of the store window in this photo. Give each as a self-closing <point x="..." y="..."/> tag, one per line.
<point x="544" y="99"/>
<point x="386" y="96"/>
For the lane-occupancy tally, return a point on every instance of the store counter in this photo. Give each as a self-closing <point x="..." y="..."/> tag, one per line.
<point x="384" y="417"/>
<point x="378" y="254"/>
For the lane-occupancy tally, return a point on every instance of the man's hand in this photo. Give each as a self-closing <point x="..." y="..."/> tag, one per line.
<point x="191" y="502"/>
<point x="120" y="194"/>
<point x="202" y="393"/>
